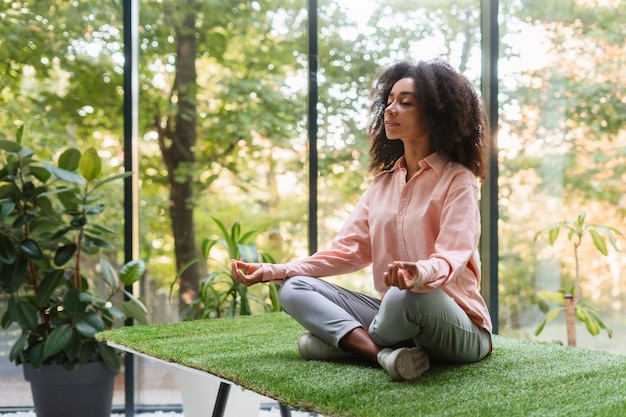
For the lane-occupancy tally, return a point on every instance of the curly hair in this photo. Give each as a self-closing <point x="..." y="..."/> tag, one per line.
<point x="457" y="122"/>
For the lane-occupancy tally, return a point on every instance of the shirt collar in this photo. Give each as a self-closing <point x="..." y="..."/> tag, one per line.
<point x="435" y="161"/>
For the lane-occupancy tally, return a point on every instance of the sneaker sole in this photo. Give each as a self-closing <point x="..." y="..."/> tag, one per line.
<point x="312" y="348"/>
<point x="412" y="363"/>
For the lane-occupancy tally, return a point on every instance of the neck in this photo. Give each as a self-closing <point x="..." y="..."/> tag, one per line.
<point x="412" y="156"/>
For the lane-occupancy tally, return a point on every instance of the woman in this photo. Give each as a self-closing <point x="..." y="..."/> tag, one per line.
<point x="418" y="224"/>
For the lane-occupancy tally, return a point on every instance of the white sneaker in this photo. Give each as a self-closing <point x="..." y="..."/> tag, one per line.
<point x="404" y="363"/>
<point x="312" y="347"/>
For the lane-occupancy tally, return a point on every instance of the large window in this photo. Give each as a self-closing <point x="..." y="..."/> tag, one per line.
<point x="223" y="136"/>
<point x="562" y="145"/>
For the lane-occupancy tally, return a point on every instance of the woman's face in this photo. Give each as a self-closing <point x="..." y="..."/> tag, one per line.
<point x="403" y="115"/>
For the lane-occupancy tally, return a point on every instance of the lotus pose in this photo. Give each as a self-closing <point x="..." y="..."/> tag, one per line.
<point x="418" y="225"/>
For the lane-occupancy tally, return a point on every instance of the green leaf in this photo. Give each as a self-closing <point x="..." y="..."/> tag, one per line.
<point x="90" y="325"/>
<point x="207" y="245"/>
<point x="22" y="220"/>
<point x="17" y="350"/>
<point x="26" y="315"/>
<point x="110" y="356"/>
<point x="132" y="271"/>
<point x="114" y="313"/>
<point x="90" y="165"/>
<point x="6" y="208"/>
<point x="97" y="242"/>
<point x="88" y="297"/>
<point x="58" y="340"/>
<point x="248" y="252"/>
<point x="599" y="242"/>
<point x="65" y="253"/>
<point x="97" y="209"/>
<point x="10" y="146"/>
<point x="592" y="326"/>
<point x="69" y="159"/>
<point x="13" y="275"/>
<point x="73" y="350"/>
<point x="65" y="175"/>
<point x="553" y="235"/>
<point x="273" y="290"/>
<point x="112" y="178"/>
<point x="555" y="297"/>
<point x="36" y="355"/>
<point x="47" y="286"/>
<point x="7" y="250"/>
<point x="31" y="249"/>
<point x="109" y="275"/>
<point x="581" y="313"/>
<point x="73" y="304"/>
<point x="552" y="314"/>
<point x="134" y="309"/>
<point x="42" y="174"/>
<point x="19" y="134"/>
<point x="601" y="323"/>
<point x="5" y="320"/>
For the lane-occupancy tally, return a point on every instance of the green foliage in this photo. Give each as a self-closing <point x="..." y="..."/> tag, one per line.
<point x="220" y="295"/>
<point x="48" y="227"/>
<point x="584" y="313"/>
<point x="576" y="230"/>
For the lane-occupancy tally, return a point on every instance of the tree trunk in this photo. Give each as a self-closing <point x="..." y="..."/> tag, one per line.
<point x="179" y="157"/>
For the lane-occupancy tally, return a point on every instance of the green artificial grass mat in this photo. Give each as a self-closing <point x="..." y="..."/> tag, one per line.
<point x="259" y="353"/>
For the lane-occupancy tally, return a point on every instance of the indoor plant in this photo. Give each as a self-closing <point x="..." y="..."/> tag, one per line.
<point x="47" y="237"/>
<point x="221" y="296"/>
<point x="569" y="300"/>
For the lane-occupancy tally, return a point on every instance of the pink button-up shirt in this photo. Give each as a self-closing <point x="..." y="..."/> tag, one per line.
<point x="433" y="220"/>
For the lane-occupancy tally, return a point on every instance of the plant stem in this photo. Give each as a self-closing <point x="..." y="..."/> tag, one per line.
<point x="577" y="270"/>
<point x="570" y="312"/>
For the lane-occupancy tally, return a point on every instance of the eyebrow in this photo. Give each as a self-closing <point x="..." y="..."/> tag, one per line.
<point x="404" y="93"/>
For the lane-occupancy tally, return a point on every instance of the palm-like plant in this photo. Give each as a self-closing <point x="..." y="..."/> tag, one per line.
<point x="220" y="295"/>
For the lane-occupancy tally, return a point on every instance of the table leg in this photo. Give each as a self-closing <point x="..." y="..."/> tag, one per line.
<point x="285" y="411"/>
<point x="221" y="400"/>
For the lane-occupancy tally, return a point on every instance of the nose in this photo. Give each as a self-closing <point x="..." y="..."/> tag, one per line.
<point x="391" y="109"/>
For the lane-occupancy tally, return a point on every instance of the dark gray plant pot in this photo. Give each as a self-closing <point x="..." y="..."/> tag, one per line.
<point x="57" y="392"/>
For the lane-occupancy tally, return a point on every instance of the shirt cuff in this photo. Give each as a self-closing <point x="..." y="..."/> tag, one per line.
<point x="273" y="272"/>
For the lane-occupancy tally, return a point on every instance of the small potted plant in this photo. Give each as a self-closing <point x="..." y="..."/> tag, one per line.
<point x="55" y="293"/>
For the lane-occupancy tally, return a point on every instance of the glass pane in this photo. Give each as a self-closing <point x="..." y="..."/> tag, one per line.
<point x="62" y="81"/>
<point x="356" y="39"/>
<point x="223" y="142"/>
<point x="562" y="144"/>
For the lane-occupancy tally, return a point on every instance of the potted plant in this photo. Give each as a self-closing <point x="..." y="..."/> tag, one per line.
<point x="569" y="300"/>
<point x="48" y="238"/>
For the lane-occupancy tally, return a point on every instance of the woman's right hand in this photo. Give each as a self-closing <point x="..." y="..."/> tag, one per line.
<point x="246" y="273"/>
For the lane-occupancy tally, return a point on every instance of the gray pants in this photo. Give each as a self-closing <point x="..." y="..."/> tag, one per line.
<point x="431" y="320"/>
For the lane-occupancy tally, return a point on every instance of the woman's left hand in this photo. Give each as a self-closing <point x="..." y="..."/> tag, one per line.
<point x="404" y="275"/>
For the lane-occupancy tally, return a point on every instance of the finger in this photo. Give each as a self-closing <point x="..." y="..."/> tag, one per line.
<point x="405" y="280"/>
<point x="393" y="275"/>
<point x="233" y="269"/>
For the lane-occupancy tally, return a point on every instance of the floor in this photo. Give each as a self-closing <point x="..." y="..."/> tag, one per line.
<point x="267" y="411"/>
